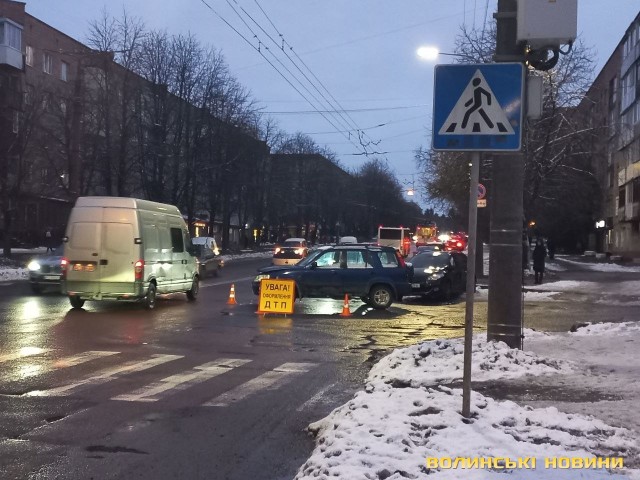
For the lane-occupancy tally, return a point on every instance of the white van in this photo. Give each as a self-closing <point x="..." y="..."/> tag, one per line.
<point x="127" y="249"/>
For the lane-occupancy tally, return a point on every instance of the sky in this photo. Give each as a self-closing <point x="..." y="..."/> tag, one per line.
<point x="408" y="410"/>
<point x="360" y="54"/>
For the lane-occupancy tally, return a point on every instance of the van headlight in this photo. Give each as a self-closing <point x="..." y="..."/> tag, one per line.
<point x="33" y="266"/>
<point x="262" y="276"/>
<point x="436" y="276"/>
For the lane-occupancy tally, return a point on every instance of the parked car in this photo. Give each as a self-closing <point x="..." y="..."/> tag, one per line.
<point x="439" y="274"/>
<point x="45" y="271"/>
<point x="208" y="262"/>
<point x="290" y="252"/>
<point x="377" y="275"/>
<point x="208" y="254"/>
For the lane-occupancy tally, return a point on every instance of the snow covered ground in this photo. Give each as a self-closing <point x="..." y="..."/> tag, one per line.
<point x="409" y="413"/>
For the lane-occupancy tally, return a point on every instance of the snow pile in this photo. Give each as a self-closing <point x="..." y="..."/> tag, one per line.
<point x="406" y="415"/>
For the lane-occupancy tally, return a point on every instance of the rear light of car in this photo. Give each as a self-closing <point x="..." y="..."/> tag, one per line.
<point x="63" y="267"/>
<point x="401" y="261"/>
<point x="138" y="269"/>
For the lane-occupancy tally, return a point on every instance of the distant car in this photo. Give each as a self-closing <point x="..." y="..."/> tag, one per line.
<point x="290" y="252"/>
<point x="431" y="247"/>
<point x="456" y="243"/>
<point x="347" y="239"/>
<point x="439" y="274"/>
<point x="208" y="254"/>
<point x="377" y="275"/>
<point x="45" y="271"/>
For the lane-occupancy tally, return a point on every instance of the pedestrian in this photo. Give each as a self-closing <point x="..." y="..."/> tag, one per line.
<point x="525" y="253"/>
<point x="551" y="248"/>
<point x="48" y="240"/>
<point x="539" y="254"/>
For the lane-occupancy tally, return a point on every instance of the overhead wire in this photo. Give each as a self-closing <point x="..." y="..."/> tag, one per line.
<point x="280" y="62"/>
<point x="284" y="42"/>
<point x="226" y="22"/>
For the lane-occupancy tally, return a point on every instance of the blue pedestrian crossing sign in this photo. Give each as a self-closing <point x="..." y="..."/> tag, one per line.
<point x="478" y="107"/>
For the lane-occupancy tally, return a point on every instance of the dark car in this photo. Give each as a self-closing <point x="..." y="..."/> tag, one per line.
<point x="45" y="271"/>
<point x="439" y="274"/>
<point x="209" y="263"/>
<point x="377" y="275"/>
<point x="431" y="247"/>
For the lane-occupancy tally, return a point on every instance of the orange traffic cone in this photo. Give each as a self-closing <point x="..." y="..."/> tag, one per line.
<point x="232" y="296"/>
<point x="345" y="307"/>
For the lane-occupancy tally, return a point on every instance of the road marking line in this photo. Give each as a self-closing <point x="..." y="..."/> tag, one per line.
<point x="105" y="376"/>
<point x="226" y="282"/>
<point x="83" y="357"/>
<point x="181" y="381"/>
<point x="23" y="352"/>
<point x="267" y="381"/>
<point x="317" y="398"/>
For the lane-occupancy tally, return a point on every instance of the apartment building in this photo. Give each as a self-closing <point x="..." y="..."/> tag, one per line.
<point x="74" y="121"/>
<point x="37" y="68"/>
<point x="611" y="109"/>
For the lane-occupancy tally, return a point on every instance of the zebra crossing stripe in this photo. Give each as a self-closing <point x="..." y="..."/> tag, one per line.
<point x="35" y="369"/>
<point x="81" y="358"/>
<point x="267" y="381"/>
<point x="180" y="381"/>
<point x="105" y="376"/>
<point x="23" y="352"/>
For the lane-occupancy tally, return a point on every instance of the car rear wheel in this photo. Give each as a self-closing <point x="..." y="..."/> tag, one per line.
<point x="380" y="297"/>
<point x="76" y="302"/>
<point x="149" y="299"/>
<point x="195" y="288"/>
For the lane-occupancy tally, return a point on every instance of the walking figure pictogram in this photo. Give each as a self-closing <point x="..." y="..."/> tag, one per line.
<point x="476" y="104"/>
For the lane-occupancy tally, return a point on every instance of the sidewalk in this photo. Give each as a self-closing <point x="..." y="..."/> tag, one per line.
<point x="567" y="397"/>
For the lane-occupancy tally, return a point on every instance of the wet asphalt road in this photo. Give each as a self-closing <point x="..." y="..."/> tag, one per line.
<point x="206" y="390"/>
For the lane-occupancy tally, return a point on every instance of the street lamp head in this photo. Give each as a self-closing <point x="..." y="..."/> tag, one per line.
<point x="428" y="53"/>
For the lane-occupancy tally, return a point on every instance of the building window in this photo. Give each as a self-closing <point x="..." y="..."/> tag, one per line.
<point x="613" y="93"/>
<point x="28" y="94"/>
<point x="28" y="55"/>
<point x="10" y="35"/>
<point x="64" y="71"/>
<point x="628" y="90"/>
<point x="621" y="197"/>
<point x="47" y="63"/>
<point x="63" y="107"/>
<point x="16" y="121"/>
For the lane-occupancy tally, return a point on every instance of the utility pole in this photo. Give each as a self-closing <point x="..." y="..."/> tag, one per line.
<point x="505" y="259"/>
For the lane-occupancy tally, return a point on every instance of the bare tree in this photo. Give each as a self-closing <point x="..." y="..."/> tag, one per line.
<point x="115" y="88"/>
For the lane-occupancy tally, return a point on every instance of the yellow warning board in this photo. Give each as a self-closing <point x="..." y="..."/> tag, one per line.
<point x="276" y="296"/>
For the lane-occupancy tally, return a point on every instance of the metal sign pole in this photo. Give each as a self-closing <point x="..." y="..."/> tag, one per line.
<point x="471" y="283"/>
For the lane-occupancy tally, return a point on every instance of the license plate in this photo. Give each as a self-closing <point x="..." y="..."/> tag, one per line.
<point x="415" y="285"/>
<point x="51" y="277"/>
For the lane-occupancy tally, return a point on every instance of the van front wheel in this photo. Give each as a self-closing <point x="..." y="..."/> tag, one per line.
<point x="149" y="300"/>
<point x="195" y="288"/>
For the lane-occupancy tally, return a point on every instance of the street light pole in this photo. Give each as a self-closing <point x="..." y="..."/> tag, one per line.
<point x="504" y="320"/>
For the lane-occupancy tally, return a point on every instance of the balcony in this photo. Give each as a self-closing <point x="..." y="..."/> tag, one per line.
<point x="10" y="43"/>
<point x="10" y="56"/>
